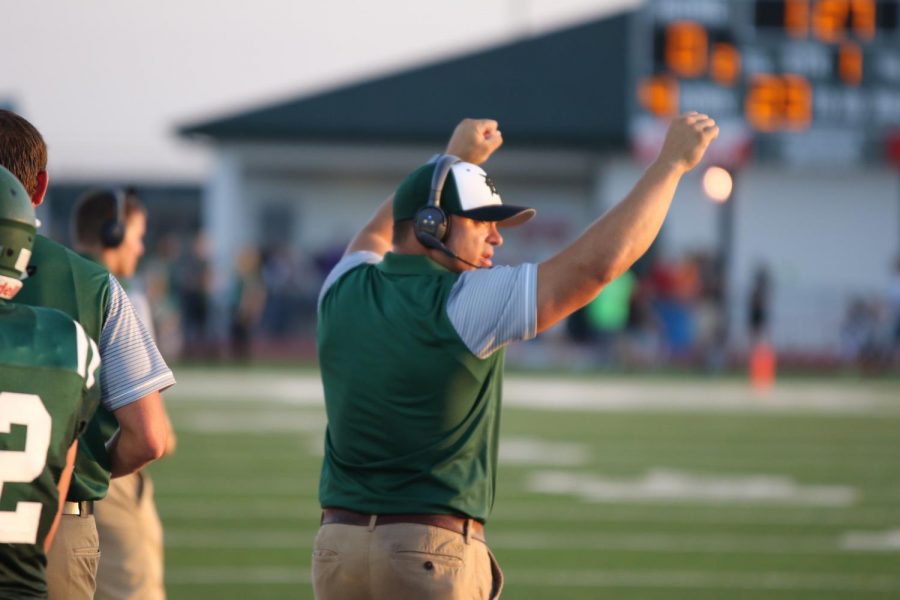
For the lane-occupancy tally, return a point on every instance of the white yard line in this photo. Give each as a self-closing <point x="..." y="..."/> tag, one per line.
<point x="246" y="386"/>
<point x="534" y="451"/>
<point x="576" y="394"/>
<point x="762" y="515"/>
<point x="697" y="395"/>
<point x="251" y="422"/>
<point x="675" y="486"/>
<point x="872" y="541"/>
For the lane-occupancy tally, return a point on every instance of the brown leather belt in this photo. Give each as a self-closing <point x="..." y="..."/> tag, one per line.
<point x="460" y="525"/>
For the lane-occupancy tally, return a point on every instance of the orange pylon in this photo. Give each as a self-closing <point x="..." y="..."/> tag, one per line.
<point x="762" y="366"/>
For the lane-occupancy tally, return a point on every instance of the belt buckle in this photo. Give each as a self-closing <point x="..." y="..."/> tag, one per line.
<point x="81" y="508"/>
<point x="71" y="508"/>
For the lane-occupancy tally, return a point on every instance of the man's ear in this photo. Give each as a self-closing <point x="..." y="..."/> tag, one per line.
<point x="43" y="180"/>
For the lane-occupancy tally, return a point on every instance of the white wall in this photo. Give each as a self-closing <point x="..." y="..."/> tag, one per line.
<point x="827" y="235"/>
<point x="325" y="212"/>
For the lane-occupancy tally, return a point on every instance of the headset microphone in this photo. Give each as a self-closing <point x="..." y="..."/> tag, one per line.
<point x="443" y="248"/>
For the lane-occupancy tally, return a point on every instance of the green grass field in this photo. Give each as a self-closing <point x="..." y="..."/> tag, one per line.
<point x="609" y="488"/>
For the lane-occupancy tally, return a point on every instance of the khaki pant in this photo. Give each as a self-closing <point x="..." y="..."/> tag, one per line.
<point x="402" y="561"/>
<point x="131" y="566"/>
<point x="73" y="558"/>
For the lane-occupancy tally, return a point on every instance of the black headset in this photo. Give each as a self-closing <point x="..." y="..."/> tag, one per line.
<point x="112" y="231"/>
<point x="430" y="222"/>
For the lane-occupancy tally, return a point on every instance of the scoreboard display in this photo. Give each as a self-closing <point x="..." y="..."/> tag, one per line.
<point x="802" y="81"/>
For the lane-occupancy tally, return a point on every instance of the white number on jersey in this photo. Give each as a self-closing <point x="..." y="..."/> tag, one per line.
<point x="21" y="526"/>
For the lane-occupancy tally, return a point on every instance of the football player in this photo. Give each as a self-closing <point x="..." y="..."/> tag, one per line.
<point x="48" y="393"/>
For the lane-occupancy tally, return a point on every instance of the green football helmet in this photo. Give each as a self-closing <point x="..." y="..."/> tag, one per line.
<point x="17" y="231"/>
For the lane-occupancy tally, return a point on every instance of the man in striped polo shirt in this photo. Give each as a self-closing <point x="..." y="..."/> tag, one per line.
<point x="412" y="327"/>
<point x="133" y="376"/>
<point x="131" y="536"/>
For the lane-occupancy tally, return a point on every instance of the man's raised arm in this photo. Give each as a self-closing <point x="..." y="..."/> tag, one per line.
<point x="575" y="276"/>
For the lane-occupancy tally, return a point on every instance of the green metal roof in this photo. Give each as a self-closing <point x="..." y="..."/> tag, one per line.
<point x="567" y="88"/>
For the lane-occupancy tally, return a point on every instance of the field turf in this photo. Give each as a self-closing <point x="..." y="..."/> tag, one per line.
<point x="609" y="488"/>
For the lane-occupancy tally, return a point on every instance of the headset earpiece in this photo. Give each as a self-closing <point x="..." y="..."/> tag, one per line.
<point x="430" y="222"/>
<point x="431" y="226"/>
<point x="112" y="232"/>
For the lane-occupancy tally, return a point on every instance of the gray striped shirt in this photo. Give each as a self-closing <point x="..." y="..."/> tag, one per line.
<point x="489" y="308"/>
<point x="132" y="366"/>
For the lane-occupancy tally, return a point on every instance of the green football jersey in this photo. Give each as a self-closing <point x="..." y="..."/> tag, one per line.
<point x="59" y="278"/>
<point x="48" y="392"/>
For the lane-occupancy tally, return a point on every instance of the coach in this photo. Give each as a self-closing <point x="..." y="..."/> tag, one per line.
<point x="413" y="322"/>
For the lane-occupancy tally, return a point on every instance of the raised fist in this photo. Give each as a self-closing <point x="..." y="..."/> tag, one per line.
<point x="474" y="140"/>
<point x="687" y="139"/>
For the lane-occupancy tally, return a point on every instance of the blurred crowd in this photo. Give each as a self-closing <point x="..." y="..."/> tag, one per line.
<point x="270" y="305"/>
<point x="672" y="311"/>
<point x="870" y="331"/>
<point x="666" y="311"/>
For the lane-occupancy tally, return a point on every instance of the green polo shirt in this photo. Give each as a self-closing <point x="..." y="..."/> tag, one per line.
<point x="413" y="412"/>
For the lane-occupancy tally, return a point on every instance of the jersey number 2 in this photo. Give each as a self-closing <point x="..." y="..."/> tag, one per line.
<point x="21" y="525"/>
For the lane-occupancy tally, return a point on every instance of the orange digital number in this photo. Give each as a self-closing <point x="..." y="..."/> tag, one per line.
<point x="764" y="103"/>
<point x="829" y="19"/>
<point x="850" y="63"/>
<point x="725" y="64"/>
<point x="797" y="102"/>
<point x="796" y="18"/>
<point x="686" y="48"/>
<point x="776" y="103"/>
<point x="864" y="19"/>
<point x="659" y="95"/>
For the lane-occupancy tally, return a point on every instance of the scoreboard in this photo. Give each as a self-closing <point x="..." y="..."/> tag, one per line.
<point x="799" y="81"/>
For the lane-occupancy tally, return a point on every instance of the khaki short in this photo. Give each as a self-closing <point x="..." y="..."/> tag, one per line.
<point x="131" y="539"/>
<point x="402" y="561"/>
<point x="73" y="558"/>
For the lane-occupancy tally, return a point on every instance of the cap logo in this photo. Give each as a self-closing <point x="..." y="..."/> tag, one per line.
<point x="489" y="181"/>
